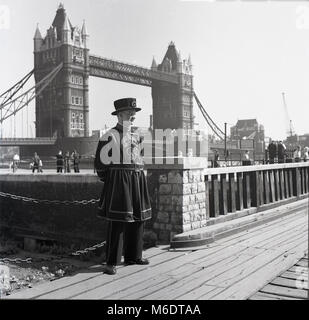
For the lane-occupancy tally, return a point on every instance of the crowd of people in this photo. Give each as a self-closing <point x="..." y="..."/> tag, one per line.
<point x="65" y="162"/>
<point x="278" y="152"/>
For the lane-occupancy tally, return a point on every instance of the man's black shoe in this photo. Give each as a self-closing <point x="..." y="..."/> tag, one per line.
<point x="109" y="269"/>
<point x="137" y="261"/>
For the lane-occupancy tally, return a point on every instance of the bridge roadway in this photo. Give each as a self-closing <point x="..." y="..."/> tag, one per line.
<point x="234" y="267"/>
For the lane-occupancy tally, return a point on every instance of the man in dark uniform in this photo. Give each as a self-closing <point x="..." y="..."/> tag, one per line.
<point x="125" y="201"/>
<point x="272" y="152"/>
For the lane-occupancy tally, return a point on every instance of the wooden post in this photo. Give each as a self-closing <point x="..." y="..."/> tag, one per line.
<point x="272" y="185"/>
<point x="223" y="194"/>
<point x="239" y="197"/>
<point x="255" y="188"/>
<point x="232" y="198"/>
<point x="247" y="198"/>
<point x="277" y="185"/>
<point x="281" y="178"/>
<point x="215" y="195"/>
<point x="266" y="186"/>
<point x="286" y="183"/>
<point x="207" y="205"/>
<point x="291" y="184"/>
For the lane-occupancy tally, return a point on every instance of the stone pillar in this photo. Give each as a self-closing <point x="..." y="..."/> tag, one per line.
<point x="178" y="196"/>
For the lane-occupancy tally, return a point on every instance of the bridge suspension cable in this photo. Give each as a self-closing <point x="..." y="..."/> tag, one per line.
<point x="213" y="126"/>
<point x="11" y="106"/>
<point x="11" y="92"/>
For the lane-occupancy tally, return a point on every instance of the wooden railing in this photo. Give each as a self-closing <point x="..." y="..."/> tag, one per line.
<point x="237" y="188"/>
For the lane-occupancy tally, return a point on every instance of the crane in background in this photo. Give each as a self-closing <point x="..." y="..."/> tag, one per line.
<point x="290" y="130"/>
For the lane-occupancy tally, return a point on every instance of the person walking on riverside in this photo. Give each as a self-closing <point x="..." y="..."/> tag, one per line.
<point x="36" y="162"/>
<point x="75" y="159"/>
<point x="306" y="154"/>
<point x="67" y="164"/>
<point x="59" y="162"/>
<point x="297" y="154"/>
<point x="124" y="201"/>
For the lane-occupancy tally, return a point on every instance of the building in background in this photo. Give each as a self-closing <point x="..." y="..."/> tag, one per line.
<point x="249" y="129"/>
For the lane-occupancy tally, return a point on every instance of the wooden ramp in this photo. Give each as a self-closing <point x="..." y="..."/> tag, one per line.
<point x="235" y="267"/>
<point x="289" y="285"/>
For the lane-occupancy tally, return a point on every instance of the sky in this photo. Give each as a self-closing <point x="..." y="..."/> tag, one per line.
<point x="244" y="55"/>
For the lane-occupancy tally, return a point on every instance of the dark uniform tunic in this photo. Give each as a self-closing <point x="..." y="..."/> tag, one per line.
<point x="124" y="201"/>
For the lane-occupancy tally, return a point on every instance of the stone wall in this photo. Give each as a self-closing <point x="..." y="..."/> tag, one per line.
<point x="178" y="197"/>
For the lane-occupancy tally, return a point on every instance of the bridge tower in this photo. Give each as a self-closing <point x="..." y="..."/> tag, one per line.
<point x="173" y="103"/>
<point x="62" y="109"/>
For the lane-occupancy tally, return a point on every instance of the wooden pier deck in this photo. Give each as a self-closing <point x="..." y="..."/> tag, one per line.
<point x="235" y="267"/>
<point x="289" y="285"/>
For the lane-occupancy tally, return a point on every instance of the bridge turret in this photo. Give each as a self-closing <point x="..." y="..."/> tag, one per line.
<point x="37" y="39"/>
<point x="66" y="31"/>
<point x="173" y="103"/>
<point x="154" y="65"/>
<point x="62" y="108"/>
<point x="85" y="35"/>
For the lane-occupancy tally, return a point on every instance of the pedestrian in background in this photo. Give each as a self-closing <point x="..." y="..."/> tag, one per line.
<point x="272" y="151"/>
<point x="59" y="161"/>
<point x="246" y="160"/>
<point x="35" y="161"/>
<point x="75" y="159"/>
<point x="216" y="163"/>
<point x="67" y="164"/>
<point x="281" y="152"/>
<point x="297" y="154"/>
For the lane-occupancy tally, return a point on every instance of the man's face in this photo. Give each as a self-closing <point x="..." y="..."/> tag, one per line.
<point x="127" y="115"/>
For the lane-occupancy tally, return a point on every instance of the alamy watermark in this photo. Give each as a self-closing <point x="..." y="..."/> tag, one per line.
<point x="152" y="146"/>
<point x="5" y="17"/>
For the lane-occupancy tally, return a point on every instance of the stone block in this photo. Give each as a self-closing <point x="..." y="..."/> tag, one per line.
<point x="201" y="187"/>
<point x="194" y="188"/>
<point x="165" y="189"/>
<point x="186" y="227"/>
<point x="200" y="197"/>
<point x="187" y="188"/>
<point x="186" y="200"/>
<point x="195" y="225"/>
<point x="186" y="218"/>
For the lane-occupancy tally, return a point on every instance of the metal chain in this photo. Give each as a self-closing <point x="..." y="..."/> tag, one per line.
<point x="38" y="201"/>
<point x="76" y="253"/>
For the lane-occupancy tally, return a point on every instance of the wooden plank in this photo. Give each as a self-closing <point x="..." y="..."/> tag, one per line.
<point x="199" y="293"/>
<point x="272" y="186"/>
<point x="286" y="184"/>
<point x="207" y="194"/>
<point x="239" y="195"/>
<point x="223" y="194"/>
<point x="246" y="287"/>
<point x="255" y="188"/>
<point x="91" y="273"/>
<point x="266" y="186"/>
<point x="277" y="185"/>
<point x="290" y="275"/>
<point x="249" y="267"/>
<point x="291" y="185"/>
<point x="284" y="291"/>
<point x="282" y="185"/>
<point x="232" y="193"/>
<point x="246" y="188"/>
<point x="215" y="190"/>
<point x="170" y="269"/>
<point x="262" y="191"/>
<point x="290" y="283"/>
<point x="268" y="296"/>
<point x="303" y="263"/>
